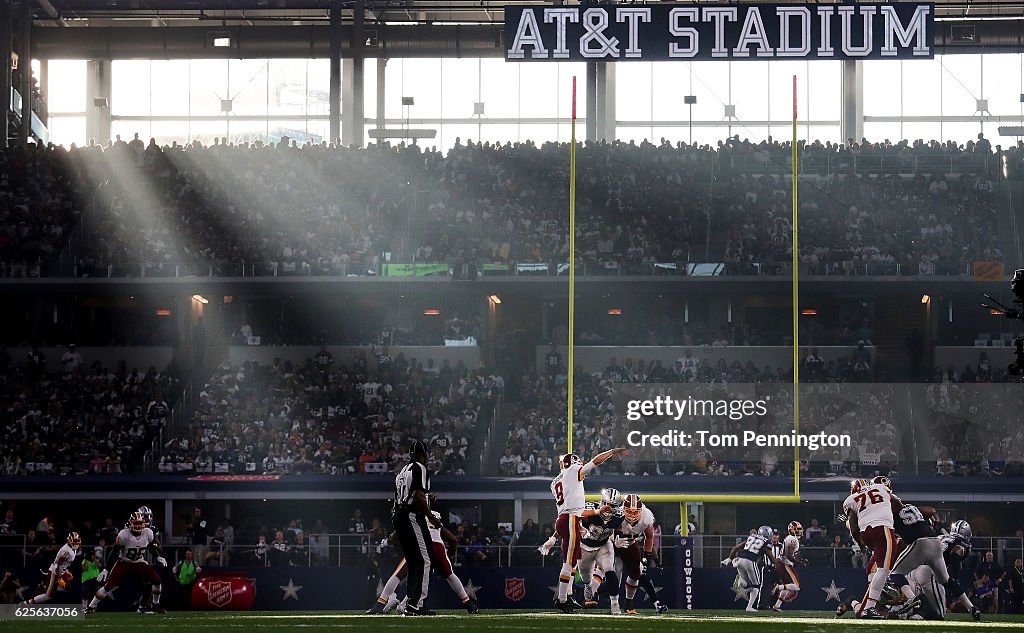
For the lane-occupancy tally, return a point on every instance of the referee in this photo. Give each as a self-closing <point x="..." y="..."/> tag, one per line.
<point x="410" y="520"/>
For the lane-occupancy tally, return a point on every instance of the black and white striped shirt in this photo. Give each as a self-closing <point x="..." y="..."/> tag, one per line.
<point x="414" y="476"/>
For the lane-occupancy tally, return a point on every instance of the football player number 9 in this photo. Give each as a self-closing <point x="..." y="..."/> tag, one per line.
<point x="559" y="495"/>
<point x="872" y="496"/>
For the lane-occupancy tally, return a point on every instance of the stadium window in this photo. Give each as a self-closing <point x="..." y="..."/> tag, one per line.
<point x="1002" y="83"/>
<point x="961" y="84"/>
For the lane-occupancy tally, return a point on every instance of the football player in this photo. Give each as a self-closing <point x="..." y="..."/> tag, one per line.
<point x="746" y="557"/>
<point x="634" y="546"/>
<point x="127" y="557"/>
<point x="956" y="548"/>
<point x="789" y="583"/>
<point x="870" y="509"/>
<point x="921" y="548"/>
<point x="439" y="563"/>
<point x="145" y="600"/>
<point x="597" y="550"/>
<point x="59" y="574"/>
<point x="570" y="499"/>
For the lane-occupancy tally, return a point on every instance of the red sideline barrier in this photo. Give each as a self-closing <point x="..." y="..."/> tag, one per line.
<point x="223" y="592"/>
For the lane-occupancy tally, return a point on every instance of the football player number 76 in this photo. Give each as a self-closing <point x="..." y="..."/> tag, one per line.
<point x="871" y="496"/>
<point x="559" y="495"/>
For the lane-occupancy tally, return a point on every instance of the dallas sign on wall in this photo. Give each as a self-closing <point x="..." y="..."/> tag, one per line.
<point x="750" y="31"/>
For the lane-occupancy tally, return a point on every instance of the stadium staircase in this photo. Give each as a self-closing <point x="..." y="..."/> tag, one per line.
<point x="901" y="314"/>
<point x="489" y="441"/>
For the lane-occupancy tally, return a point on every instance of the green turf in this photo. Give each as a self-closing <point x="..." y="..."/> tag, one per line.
<point x="499" y="621"/>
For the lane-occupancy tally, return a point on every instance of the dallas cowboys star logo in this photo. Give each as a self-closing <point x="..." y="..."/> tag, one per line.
<point x="471" y="589"/>
<point x="291" y="590"/>
<point x="832" y="592"/>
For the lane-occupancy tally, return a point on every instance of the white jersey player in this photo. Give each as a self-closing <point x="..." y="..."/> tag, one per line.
<point x="59" y="575"/>
<point x="634" y="544"/>
<point x="570" y="499"/>
<point x="789" y="583"/>
<point x="129" y="558"/>
<point x="870" y="509"/>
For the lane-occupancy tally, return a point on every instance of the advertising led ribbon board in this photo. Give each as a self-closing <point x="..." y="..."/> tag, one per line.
<point x="708" y="32"/>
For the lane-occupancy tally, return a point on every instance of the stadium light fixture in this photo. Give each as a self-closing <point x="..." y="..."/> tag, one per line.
<point x="925" y="299"/>
<point x="615" y="311"/>
<point x="221" y="41"/>
<point x="432" y="312"/>
<point x="495" y="299"/>
<point x="200" y="299"/>
<point x="809" y="312"/>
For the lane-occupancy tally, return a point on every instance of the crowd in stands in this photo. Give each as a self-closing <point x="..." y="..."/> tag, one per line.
<point x="83" y="419"/>
<point x="971" y="432"/>
<point x="322" y="418"/>
<point x="974" y="429"/>
<point x="318" y="209"/>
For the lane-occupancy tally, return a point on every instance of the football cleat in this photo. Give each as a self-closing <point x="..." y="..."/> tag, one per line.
<point x="377" y="607"/>
<point x="976" y="614"/>
<point x="471" y="606"/>
<point x="660" y="608"/>
<point x="871" y="613"/>
<point x="565" y="607"/>
<point x="413" y="611"/>
<point x="157" y="610"/>
<point x="89" y="610"/>
<point x="842" y="609"/>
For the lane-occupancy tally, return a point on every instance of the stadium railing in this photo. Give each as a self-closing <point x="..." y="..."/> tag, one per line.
<point x="336" y="550"/>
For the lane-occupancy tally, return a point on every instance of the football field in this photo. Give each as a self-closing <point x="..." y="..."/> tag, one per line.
<point x="501" y="621"/>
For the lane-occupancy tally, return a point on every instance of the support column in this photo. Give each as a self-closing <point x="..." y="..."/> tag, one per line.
<point x="382" y="64"/>
<point x="354" y="107"/>
<point x="517" y="513"/>
<point x="25" y="66"/>
<point x="97" y="86"/>
<point x="609" y="130"/>
<point x="852" y="113"/>
<point x="592" y="107"/>
<point x="5" y="69"/>
<point x="334" y="96"/>
<point x="168" y="519"/>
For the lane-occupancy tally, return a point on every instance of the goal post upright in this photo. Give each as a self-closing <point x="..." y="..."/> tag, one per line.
<point x="684" y="499"/>
<point x="572" y="267"/>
